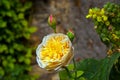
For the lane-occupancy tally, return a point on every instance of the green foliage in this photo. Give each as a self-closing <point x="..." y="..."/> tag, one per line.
<point x="107" y="21"/>
<point x="71" y="72"/>
<point x="15" y="51"/>
<point x="99" y="69"/>
<point x="107" y="25"/>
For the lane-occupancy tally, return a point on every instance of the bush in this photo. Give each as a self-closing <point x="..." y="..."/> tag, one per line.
<point x="107" y="24"/>
<point x="15" y="51"/>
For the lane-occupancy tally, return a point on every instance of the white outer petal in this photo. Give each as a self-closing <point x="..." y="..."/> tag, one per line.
<point x="64" y="58"/>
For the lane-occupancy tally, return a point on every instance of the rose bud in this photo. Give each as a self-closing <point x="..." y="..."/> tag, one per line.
<point x="52" y="22"/>
<point x="71" y="35"/>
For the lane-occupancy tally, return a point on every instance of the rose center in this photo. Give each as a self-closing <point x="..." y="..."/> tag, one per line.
<point x="55" y="48"/>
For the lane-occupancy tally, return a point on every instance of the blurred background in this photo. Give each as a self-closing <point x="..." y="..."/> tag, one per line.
<point x="23" y="24"/>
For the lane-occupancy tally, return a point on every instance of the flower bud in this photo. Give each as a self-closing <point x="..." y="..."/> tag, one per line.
<point x="52" y="22"/>
<point x="71" y="35"/>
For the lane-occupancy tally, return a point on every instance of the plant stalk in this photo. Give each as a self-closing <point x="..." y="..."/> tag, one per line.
<point x="75" y="78"/>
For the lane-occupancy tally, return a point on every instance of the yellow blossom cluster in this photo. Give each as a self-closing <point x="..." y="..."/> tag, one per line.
<point x="98" y="15"/>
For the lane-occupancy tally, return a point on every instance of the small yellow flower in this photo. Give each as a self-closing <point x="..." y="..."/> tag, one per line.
<point x="90" y="11"/>
<point x="99" y="19"/>
<point x="105" y="18"/>
<point x="54" y="52"/>
<point x="94" y="16"/>
<point x="102" y="11"/>
<point x="115" y="37"/>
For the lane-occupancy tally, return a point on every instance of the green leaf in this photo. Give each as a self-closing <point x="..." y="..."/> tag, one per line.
<point x="82" y="78"/>
<point x="24" y="23"/>
<point x="27" y="5"/>
<point x="1" y="71"/>
<point x="79" y="73"/>
<point x="4" y="63"/>
<point x="3" y="48"/>
<point x="26" y="35"/>
<point x="32" y="29"/>
<point x="3" y="24"/>
<point x="11" y="50"/>
<point x="20" y="16"/>
<point x="21" y="59"/>
<point x="70" y="66"/>
<point x="63" y="75"/>
<point x="27" y="61"/>
<point x="18" y="47"/>
<point x="9" y="13"/>
<point x="98" y="69"/>
<point x="6" y="3"/>
<point x="29" y="53"/>
<point x="11" y="65"/>
<point x="28" y="68"/>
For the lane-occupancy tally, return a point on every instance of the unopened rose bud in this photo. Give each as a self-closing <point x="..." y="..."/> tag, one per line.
<point x="52" y="22"/>
<point x="71" y="35"/>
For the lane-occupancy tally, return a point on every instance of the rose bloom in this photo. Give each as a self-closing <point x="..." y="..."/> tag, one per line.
<point x="54" y="52"/>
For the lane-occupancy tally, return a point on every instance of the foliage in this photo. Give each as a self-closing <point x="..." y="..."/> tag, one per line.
<point x="92" y="69"/>
<point x="107" y="21"/>
<point x="15" y="51"/>
<point x="99" y="69"/>
<point x="64" y="73"/>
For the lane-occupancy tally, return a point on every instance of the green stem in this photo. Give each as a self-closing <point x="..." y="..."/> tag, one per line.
<point x="68" y="72"/>
<point x="75" y="78"/>
<point x="55" y="30"/>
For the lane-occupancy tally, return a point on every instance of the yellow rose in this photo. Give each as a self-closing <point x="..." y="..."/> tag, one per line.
<point x="54" y="52"/>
